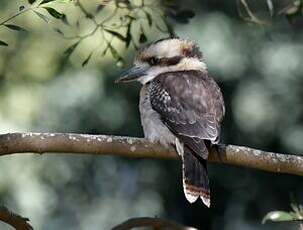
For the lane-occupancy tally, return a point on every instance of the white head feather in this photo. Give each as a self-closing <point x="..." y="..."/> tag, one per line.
<point x="191" y="58"/>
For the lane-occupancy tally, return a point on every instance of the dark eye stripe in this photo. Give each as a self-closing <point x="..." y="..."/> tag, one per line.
<point x="163" y="61"/>
<point x="170" y="61"/>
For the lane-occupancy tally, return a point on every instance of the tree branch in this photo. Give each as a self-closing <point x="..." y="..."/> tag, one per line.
<point x="156" y="223"/>
<point x="14" y="220"/>
<point x="140" y="148"/>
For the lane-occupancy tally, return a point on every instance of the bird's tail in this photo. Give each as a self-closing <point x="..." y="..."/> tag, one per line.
<point x="195" y="178"/>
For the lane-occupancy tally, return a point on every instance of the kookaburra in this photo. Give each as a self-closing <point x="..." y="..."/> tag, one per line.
<point x="180" y="105"/>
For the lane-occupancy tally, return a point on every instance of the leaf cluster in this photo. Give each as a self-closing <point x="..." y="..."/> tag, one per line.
<point x="295" y="214"/>
<point x="128" y="23"/>
<point x="292" y="11"/>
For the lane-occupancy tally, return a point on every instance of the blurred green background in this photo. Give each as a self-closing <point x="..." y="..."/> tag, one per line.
<point x="259" y="69"/>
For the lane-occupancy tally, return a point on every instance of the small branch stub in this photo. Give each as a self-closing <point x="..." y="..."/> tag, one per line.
<point x="16" y="221"/>
<point x="155" y="223"/>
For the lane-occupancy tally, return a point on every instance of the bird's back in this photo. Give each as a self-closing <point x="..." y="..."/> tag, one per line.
<point x="189" y="102"/>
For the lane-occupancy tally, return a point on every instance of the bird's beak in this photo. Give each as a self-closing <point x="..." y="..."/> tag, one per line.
<point x="132" y="74"/>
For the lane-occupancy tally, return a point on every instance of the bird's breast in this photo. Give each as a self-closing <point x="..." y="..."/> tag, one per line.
<point x="153" y="127"/>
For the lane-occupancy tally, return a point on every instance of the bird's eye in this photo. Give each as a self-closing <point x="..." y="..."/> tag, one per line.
<point x="153" y="61"/>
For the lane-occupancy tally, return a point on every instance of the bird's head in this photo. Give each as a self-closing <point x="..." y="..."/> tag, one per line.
<point x="165" y="55"/>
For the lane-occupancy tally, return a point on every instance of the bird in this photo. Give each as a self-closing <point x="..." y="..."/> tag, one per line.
<point x="180" y="105"/>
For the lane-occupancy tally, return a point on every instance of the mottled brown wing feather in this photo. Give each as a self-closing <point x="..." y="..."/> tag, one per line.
<point x="191" y="105"/>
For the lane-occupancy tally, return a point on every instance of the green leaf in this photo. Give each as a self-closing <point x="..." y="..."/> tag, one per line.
<point x="14" y="27"/>
<point x="31" y="1"/>
<point x="128" y="38"/>
<point x="105" y="50"/>
<point x="293" y="10"/>
<point x="2" y="43"/>
<point x="54" y="12"/>
<point x="59" y="31"/>
<point x="270" y="6"/>
<point x="42" y="16"/>
<point x="116" y="34"/>
<point x="64" y="19"/>
<point x="70" y="49"/>
<point x="294" y="207"/>
<point x="46" y="1"/>
<point x="130" y="17"/>
<point x="123" y="4"/>
<point x="143" y="37"/>
<point x="114" y="52"/>
<point x="278" y="216"/>
<point x="84" y="63"/>
<point x="149" y="18"/>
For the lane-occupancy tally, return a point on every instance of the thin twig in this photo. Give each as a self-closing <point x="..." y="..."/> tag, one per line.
<point x="252" y="17"/>
<point x="15" y="15"/>
<point x="85" y="12"/>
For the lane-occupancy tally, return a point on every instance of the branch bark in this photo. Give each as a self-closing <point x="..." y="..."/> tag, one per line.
<point x="140" y="148"/>
<point x="14" y="220"/>
<point x="156" y="223"/>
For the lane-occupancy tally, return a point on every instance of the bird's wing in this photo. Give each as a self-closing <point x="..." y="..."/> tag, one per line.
<point x="191" y="105"/>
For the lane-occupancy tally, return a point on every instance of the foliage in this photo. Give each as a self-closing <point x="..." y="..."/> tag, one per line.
<point x="282" y="216"/>
<point x="127" y="15"/>
<point x="292" y="11"/>
<point x="118" y="25"/>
